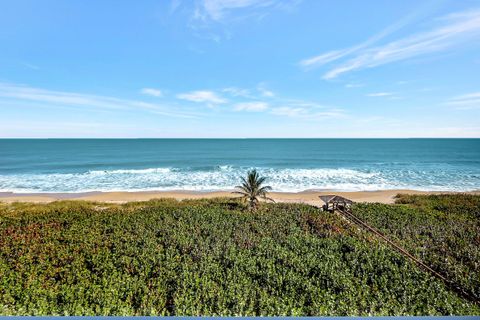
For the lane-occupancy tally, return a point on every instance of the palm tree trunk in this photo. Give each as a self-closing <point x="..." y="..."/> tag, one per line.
<point x="252" y="204"/>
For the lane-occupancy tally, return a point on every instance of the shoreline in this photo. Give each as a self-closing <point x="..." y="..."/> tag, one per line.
<point x="307" y="196"/>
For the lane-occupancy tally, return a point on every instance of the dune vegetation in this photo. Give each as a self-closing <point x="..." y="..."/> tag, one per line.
<point x="441" y="230"/>
<point x="216" y="257"/>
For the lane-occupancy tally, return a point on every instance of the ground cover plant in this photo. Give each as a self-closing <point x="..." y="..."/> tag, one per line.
<point x="204" y="257"/>
<point x="441" y="230"/>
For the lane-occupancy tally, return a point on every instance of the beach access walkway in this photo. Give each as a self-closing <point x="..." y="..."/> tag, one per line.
<point x="343" y="206"/>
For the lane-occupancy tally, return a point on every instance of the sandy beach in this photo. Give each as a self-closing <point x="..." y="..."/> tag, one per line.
<point x="309" y="197"/>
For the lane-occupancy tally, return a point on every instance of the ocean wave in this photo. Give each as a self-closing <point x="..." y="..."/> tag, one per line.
<point x="226" y="177"/>
<point x="129" y="171"/>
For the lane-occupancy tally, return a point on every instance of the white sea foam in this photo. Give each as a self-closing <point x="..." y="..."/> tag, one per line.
<point x="130" y="171"/>
<point x="226" y="177"/>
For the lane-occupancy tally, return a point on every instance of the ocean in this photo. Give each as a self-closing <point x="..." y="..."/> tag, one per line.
<point x="82" y="165"/>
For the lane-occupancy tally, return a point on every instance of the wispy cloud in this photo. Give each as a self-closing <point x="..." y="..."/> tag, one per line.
<point x="218" y="10"/>
<point x="453" y="30"/>
<point x="237" y="92"/>
<point x="256" y="106"/>
<point x="261" y="100"/>
<point x="20" y="93"/>
<point x="152" y="92"/>
<point x="290" y="111"/>
<point x="326" y="57"/>
<point x="380" y="94"/>
<point x="209" y="97"/>
<point x="334" y="55"/>
<point x="212" y="19"/>
<point x="307" y="113"/>
<point x="261" y="87"/>
<point x="307" y="110"/>
<point x="174" y="5"/>
<point x="466" y="101"/>
<point x="30" y="66"/>
<point x="354" y="85"/>
<point x="45" y="128"/>
<point x="292" y="108"/>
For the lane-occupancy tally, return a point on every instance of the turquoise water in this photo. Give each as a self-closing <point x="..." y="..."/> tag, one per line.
<point x="78" y="165"/>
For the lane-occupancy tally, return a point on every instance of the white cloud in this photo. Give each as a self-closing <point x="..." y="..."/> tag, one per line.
<point x="466" y="101"/>
<point x="256" y="106"/>
<point x="250" y="93"/>
<point x="298" y="109"/>
<point x="21" y="93"/>
<point x="353" y="85"/>
<point x="202" y="96"/>
<point x="326" y="57"/>
<point x="218" y="10"/>
<point x="455" y="29"/>
<point x="152" y="92"/>
<point x="334" y="55"/>
<point x="307" y="113"/>
<point x="290" y="111"/>
<point x="237" y="92"/>
<point x="211" y="19"/>
<point x="380" y="94"/>
<point x="264" y="91"/>
<point x="267" y="93"/>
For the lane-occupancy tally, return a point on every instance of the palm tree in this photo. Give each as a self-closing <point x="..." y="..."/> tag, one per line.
<point x="251" y="189"/>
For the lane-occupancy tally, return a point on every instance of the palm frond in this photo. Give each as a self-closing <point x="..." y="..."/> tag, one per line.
<point x="269" y="199"/>
<point x="240" y="192"/>
<point x="252" y="188"/>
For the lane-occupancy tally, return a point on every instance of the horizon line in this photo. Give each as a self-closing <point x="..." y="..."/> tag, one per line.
<point x="217" y="138"/>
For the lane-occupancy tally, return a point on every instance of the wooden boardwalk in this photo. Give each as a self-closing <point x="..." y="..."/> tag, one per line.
<point x="343" y="206"/>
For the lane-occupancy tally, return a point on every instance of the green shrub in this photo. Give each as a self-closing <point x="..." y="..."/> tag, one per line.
<point x="204" y="257"/>
<point x="442" y="230"/>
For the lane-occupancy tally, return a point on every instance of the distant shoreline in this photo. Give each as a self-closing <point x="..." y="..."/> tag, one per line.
<point x="308" y="196"/>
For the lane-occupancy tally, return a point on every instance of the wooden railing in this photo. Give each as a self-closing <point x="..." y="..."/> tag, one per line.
<point x="348" y="214"/>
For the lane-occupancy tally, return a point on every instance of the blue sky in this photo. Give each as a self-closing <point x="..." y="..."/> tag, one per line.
<point x="240" y="68"/>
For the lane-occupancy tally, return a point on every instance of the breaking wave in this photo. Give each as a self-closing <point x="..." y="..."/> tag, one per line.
<point x="226" y="177"/>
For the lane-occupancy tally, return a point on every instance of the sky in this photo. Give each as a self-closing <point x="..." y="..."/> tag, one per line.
<point x="239" y="69"/>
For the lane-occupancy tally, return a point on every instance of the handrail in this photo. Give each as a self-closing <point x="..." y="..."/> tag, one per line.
<point x="455" y="287"/>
